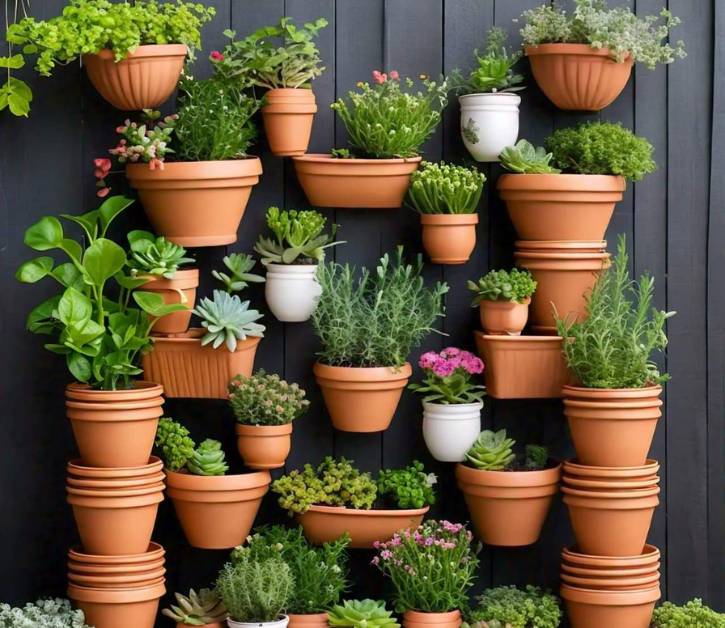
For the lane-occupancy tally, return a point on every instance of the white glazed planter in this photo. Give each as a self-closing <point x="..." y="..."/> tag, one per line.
<point x="449" y="430"/>
<point x="292" y="291"/>
<point x="489" y="123"/>
<point x="279" y="623"/>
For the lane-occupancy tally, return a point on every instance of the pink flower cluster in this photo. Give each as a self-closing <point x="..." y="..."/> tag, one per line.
<point x="381" y="77"/>
<point x="446" y="362"/>
<point x="216" y="56"/>
<point x="101" y="168"/>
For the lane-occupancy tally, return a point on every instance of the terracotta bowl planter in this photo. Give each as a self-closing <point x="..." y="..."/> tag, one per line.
<point x="648" y="558"/>
<point x="550" y="207"/>
<point x="328" y="523"/>
<point x="114" y="428"/>
<point x="118" y="608"/>
<point x="217" y="512"/>
<point x="288" y="116"/>
<point x="416" y="619"/>
<point x="143" y="80"/>
<point x="607" y="572"/>
<point x="522" y="367"/>
<point x="507" y="318"/>
<point x="595" y="609"/>
<point x="187" y="369"/>
<point x="612" y="427"/>
<point x="308" y="620"/>
<point x="77" y="469"/>
<point x="180" y="289"/>
<point x="117" y="581"/>
<point x="577" y="76"/>
<point x="647" y="471"/>
<point x="449" y="238"/>
<point x="264" y="446"/>
<point x="508" y="508"/>
<point x="631" y="583"/>
<point x="352" y="183"/>
<point x="361" y="399"/>
<point x="196" y="203"/>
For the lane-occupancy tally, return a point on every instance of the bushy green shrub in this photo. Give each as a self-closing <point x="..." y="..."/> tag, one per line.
<point x="266" y="399"/>
<point x="694" y="614"/>
<point x="175" y="443"/>
<point x="51" y="613"/>
<point x="500" y="285"/>
<point x="445" y="189"/>
<point x="530" y="607"/>
<point x="410" y="487"/>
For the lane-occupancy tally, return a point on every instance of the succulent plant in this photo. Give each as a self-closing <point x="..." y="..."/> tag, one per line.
<point x="492" y="451"/>
<point x="208" y="459"/>
<point x="227" y="319"/>
<point x="445" y="189"/>
<point x="266" y="399"/>
<point x="501" y="285"/>
<point x="239" y="277"/>
<point x="150" y="255"/>
<point x="362" y="614"/>
<point x="536" y="457"/>
<point x="50" y="613"/>
<point x="175" y="444"/>
<point x="197" y="609"/>
<point x="524" y="158"/>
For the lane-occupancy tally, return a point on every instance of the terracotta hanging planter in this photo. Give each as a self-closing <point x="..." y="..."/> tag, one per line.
<point x="449" y="238"/>
<point x="416" y="619"/>
<point x="506" y="318"/>
<point x="577" y="76"/>
<point x="508" y="508"/>
<point x="308" y="620"/>
<point x="180" y="289"/>
<point x="646" y="471"/>
<point x="264" y="446"/>
<point x="145" y="79"/>
<point x="196" y="203"/>
<point x="361" y="399"/>
<point x="153" y="553"/>
<point x="114" y="428"/>
<point x="322" y="524"/>
<point x="188" y="369"/>
<point x="288" y="115"/>
<point x="545" y="207"/>
<point x="354" y="183"/>
<point x="216" y="512"/>
<point x="612" y="427"/>
<point x="118" y="608"/>
<point x="649" y="556"/>
<point x="589" y="608"/>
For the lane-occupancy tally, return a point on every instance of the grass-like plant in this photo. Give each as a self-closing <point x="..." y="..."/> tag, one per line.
<point x="691" y="615"/>
<point x="445" y="189"/>
<point x="266" y="399"/>
<point x="529" y="607"/>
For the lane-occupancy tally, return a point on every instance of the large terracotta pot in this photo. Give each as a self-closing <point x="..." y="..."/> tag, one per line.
<point x="589" y="608"/>
<point x="506" y="318"/>
<point x="196" y="203"/>
<point x="522" y="367"/>
<point x="308" y="620"/>
<point x="288" y="116"/>
<point x="188" y="369"/>
<point x="577" y="76"/>
<point x="449" y="238"/>
<point x="322" y="524"/>
<point x="623" y="583"/>
<point x="180" y="289"/>
<point x="649" y="557"/>
<point x="114" y="428"/>
<point x="264" y="446"/>
<point x="143" y="80"/>
<point x="216" y="512"/>
<point x="364" y="183"/>
<point x="361" y="399"/>
<point x="416" y="619"/>
<point x="508" y="508"/>
<point x="154" y="552"/>
<point x="612" y="427"/>
<point x="549" y="207"/>
<point x="647" y="471"/>
<point x="118" y="608"/>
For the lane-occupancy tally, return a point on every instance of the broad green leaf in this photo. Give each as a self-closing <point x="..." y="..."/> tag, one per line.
<point x="16" y="95"/>
<point x="130" y="283"/>
<point x="85" y="333"/>
<point x="45" y="234"/>
<point x="89" y="222"/>
<point x="35" y="269"/>
<point x="140" y="239"/>
<point x="74" y="307"/>
<point x="72" y="248"/>
<point x="102" y="260"/>
<point x="153" y="304"/>
<point x="56" y="348"/>
<point x="40" y="320"/>
<point x="79" y="366"/>
<point x="68" y="275"/>
<point x="13" y="63"/>
<point x="111" y="208"/>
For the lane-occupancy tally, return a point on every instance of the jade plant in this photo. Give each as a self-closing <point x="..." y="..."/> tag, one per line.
<point x="180" y="452"/>
<point x="494" y="451"/>
<point x="448" y="377"/>
<point x="237" y="277"/>
<point x="524" y="158"/>
<point x="50" y="613"/>
<point x="513" y="607"/>
<point x="266" y="399"/>
<point x="693" y="614"/>
<point x="445" y="189"/>
<point x="197" y="609"/>
<point x="500" y="285"/>
<point x="361" y="614"/>
<point x="156" y="256"/>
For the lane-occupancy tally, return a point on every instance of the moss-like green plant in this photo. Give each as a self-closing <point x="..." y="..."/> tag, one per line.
<point x="445" y="189"/>
<point x="511" y="607"/>
<point x="525" y="158"/>
<point x="362" y="614"/>
<point x="501" y="285"/>
<point x="694" y="614"/>
<point x="176" y="446"/>
<point x="411" y="487"/>
<point x="208" y="459"/>
<point x="266" y="399"/>
<point x="492" y="451"/>
<point x="197" y="609"/>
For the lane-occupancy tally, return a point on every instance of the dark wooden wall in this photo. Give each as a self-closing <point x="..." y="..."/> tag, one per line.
<point x="674" y="222"/>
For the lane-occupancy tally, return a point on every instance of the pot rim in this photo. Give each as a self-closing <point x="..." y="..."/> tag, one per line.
<point x="562" y="255"/>
<point x="145" y="577"/>
<point x="468" y="406"/>
<point x="212" y="483"/>
<point x="90" y="569"/>
<point x="362" y="373"/>
<point x="248" y="166"/>
<point x="650" y="463"/>
<point x="144" y="51"/>
<point x="113" y="493"/>
<point x="327" y="158"/>
<point x="87" y="471"/>
<point x="323" y="615"/>
<point x="154" y="551"/>
<point x="485" y="95"/>
<point x="142" y="390"/>
<point x="194" y="334"/>
<point x="634" y="597"/>
<point x="637" y="493"/>
<point x="544" y="245"/>
<point x="650" y="552"/>
<point x="607" y="573"/>
<point x="562" y="182"/>
<point x="184" y="279"/>
<point x="508" y="479"/>
<point x="561" y="48"/>
<point x="434" y="617"/>
<point x="615" y="581"/>
<point x="449" y="219"/>
<point x="501" y="303"/>
<point x="623" y="483"/>
<point x="245" y="429"/>
<point x="293" y="269"/>
<point x="282" y="619"/>
<point x="360" y="512"/>
<point x="607" y="393"/>
<point x="523" y="339"/>
<point x="116" y="596"/>
<point x="115" y="483"/>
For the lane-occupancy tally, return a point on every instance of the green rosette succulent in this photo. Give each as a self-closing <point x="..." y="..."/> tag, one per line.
<point x="361" y="614"/>
<point x="525" y="158"/>
<point x="197" y="609"/>
<point x="492" y="451"/>
<point x="208" y="459"/>
<point x="227" y="319"/>
<point x="150" y="255"/>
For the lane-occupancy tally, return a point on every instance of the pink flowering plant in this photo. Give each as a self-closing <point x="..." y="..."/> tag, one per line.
<point x="147" y="142"/>
<point x="432" y="568"/>
<point x="448" y="377"/>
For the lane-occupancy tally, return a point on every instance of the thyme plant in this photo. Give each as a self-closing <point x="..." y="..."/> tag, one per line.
<point x="266" y="399"/>
<point x="445" y="189"/>
<point x="693" y="614"/>
<point x="530" y="607"/>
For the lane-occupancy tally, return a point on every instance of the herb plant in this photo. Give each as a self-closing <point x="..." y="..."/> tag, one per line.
<point x="197" y="609"/>
<point x="494" y="451"/>
<point x="448" y="375"/>
<point x="361" y="614"/>
<point x="694" y="614"/>
<point x="208" y="459"/>
<point x="51" y="613"/>
<point x="530" y="607"/>
<point x="227" y="319"/>
<point x="265" y="399"/>
<point x="445" y="189"/>
<point x="175" y="444"/>
<point x="238" y="277"/>
<point x="501" y="285"/>
<point x="155" y="256"/>
<point x="407" y="488"/>
<point x="524" y="158"/>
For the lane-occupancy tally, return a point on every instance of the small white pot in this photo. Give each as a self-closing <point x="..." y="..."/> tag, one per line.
<point x="450" y="430"/>
<point x="292" y="291"/>
<point x="279" y="623"/>
<point x="489" y="123"/>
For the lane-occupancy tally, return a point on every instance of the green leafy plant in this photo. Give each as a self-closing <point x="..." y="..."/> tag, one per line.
<point x="524" y="158"/>
<point x="227" y="319"/>
<point x="407" y="488"/>
<point x="694" y="614"/>
<point x="494" y="451"/>
<point x="175" y="444"/>
<point x="537" y="457"/>
<point x="156" y="256"/>
<point x="239" y="277"/>
<point x="385" y="121"/>
<point x="448" y="377"/>
<point x="377" y="318"/>
<point x="266" y="399"/>
<point x="601" y="148"/>
<point x="15" y="94"/>
<point x="509" y="606"/>
<point x="362" y="614"/>
<point x="197" y="609"/>
<point x="613" y="346"/>
<point x="208" y="459"/>
<point x="445" y="189"/>
<point x="501" y="285"/>
<point x="50" y="613"/>
<point x="146" y="142"/>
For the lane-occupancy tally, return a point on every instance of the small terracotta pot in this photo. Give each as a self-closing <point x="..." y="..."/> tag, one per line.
<point x="109" y="570"/>
<point x="322" y="524"/>
<point x="647" y="471"/>
<point x="555" y="207"/>
<point x="607" y="572"/>
<point x="77" y="469"/>
<point x="180" y="289"/>
<point x="649" y="557"/>
<point x="507" y="318"/>
<point x="308" y="620"/>
<point x="216" y="512"/>
<point x="522" y="367"/>
<point x="632" y="583"/>
<point x="508" y="508"/>
<point x="288" y="116"/>
<point x="355" y="183"/>
<point x="114" y="428"/>
<point x="577" y="76"/>
<point x="417" y="619"/>
<point x="114" y="485"/>
<point x="612" y="427"/>
<point x="361" y="399"/>
<point x="153" y="552"/>
<point x="187" y="369"/>
<point x="143" y="80"/>
<point x="449" y="238"/>
<point x="604" y="485"/>
<point x="117" y="581"/>
<point x="196" y="203"/>
<point x="588" y="608"/>
<point x="118" y="608"/>
<point x="264" y="446"/>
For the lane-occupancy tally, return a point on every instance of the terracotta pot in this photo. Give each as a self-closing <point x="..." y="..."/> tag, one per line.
<point x="322" y="524"/>
<point x="196" y="203"/>
<point x="506" y="318"/>
<point x="109" y="570"/>
<point x="288" y="116"/>
<point x="598" y="485"/>
<point x="187" y="369"/>
<point x="114" y="485"/>
<point x="648" y="558"/>
<point x="596" y="609"/>
<point x="417" y="619"/>
<point x="612" y="523"/>
<point x="216" y="512"/>
<point x="361" y="399"/>
<point x="577" y="76"/>
<point x="308" y="620"/>
<point x="264" y="446"/>
<point x="143" y="80"/>
<point x="561" y="246"/>
<point x="118" y="608"/>
<point x="114" y="428"/>
<point x="153" y="552"/>
<point x="116" y="581"/>
<point x="612" y="584"/>
<point x="607" y="572"/>
<point x="612" y="427"/>
<point x="449" y="238"/>
<point x="508" y="508"/>
<point x="555" y="207"/>
<point x="77" y="469"/>
<point x="355" y="183"/>
<point x="647" y="471"/>
<point x="522" y="367"/>
<point x="216" y="624"/>
<point x="180" y="289"/>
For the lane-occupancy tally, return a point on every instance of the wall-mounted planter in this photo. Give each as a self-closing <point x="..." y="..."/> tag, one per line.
<point x="292" y="291"/>
<point x="118" y="608"/>
<point x="180" y="289"/>
<point x="489" y="123"/>
<point x="449" y="430"/>
<point x="196" y="203"/>
<point x="507" y="318"/>
<point x="354" y="183"/>
<point x="588" y="608"/>
<point x="449" y="238"/>
<point x="264" y="446"/>
<point x="308" y="620"/>
<point x="288" y="116"/>
<point x="417" y="619"/>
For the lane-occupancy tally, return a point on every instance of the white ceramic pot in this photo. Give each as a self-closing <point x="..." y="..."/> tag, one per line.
<point x="489" y="123"/>
<point x="279" y="623"/>
<point x="292" y="291"/>
<point x="450" y="429"/>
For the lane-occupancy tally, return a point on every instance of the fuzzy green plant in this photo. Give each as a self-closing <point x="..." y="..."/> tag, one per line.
<point x="694" y="614"/>
<point x="512" y="607"/>
<point x="361" y="614"/>
<point x="50" y="613"/>
<point x="237" y="277"/>
<point x="175" y="444"/>
<point x="266" y="399"/>
<point x="151" y="255"/>
<point x="410" y="487"/>
<point x="501" y="285"/>
<point x="525" y="158"/>
<point x="197" y="609"/>
<point x="227" y="319"/>
<point x="445" y="189"/>
<point x="491" y="451"/>
<point x="208" y="459"/>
